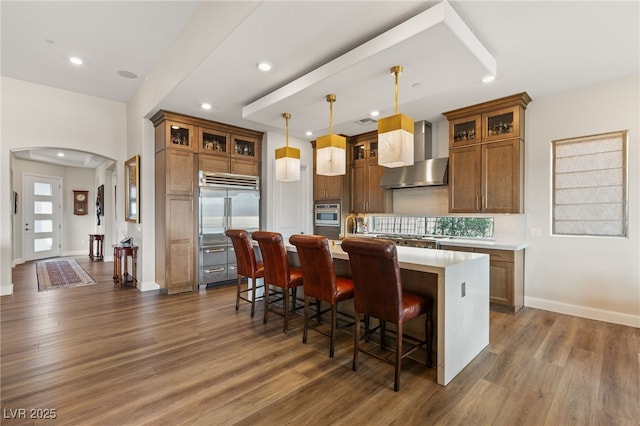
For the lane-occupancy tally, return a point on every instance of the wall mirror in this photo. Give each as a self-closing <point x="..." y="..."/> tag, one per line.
<point x="132" y="186"/>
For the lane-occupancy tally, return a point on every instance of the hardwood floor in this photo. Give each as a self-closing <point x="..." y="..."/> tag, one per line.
<point x="100" y="355"/>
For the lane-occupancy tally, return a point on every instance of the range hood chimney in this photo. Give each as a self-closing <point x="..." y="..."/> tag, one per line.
<point x="426" y="170"/>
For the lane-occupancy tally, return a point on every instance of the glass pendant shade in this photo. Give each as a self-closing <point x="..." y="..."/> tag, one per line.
<point x="287" y="158"/>
<point x="331" y="150"/>
<point x="331" y="155"/>
<point x="395" y="141"/>
<point x="395" y="135"/>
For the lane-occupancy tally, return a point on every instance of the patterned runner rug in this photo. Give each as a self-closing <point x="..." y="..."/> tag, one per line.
<point x="59" y="273"/>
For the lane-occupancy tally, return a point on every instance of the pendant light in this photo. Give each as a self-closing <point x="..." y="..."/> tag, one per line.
<point x="395" y="135"/>
<point x="331" y="150"/>
<point x="287" y="158"/>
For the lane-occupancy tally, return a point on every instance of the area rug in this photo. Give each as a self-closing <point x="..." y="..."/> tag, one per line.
<point x="61" y="273"/>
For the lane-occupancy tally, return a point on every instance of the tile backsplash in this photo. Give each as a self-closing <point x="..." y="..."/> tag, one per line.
<point x="468" y="227"/>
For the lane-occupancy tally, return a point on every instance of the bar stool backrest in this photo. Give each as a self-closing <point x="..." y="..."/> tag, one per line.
<point x="245" y="256"/>
<point x="274" y="257"/>
<point x="317" y="266"/>
<point x="377" y="285"/>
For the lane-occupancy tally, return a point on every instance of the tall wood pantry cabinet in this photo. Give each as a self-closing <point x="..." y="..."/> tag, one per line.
<point x="486" y="156"/>
<point x="366" y="194"/>
<point x="183" y="146"/>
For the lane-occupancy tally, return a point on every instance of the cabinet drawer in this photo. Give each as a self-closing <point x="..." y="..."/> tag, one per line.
<point x="212" y="274"/>
<point x="458" y="248"/>
<point x="215" y="255"/>
<point x="497" y="255"/>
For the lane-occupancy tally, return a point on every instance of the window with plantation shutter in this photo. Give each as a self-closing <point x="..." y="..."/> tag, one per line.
<point x="590" y="185"/>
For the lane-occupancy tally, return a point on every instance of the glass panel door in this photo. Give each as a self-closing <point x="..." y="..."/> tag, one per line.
<point x="41" y="217"/>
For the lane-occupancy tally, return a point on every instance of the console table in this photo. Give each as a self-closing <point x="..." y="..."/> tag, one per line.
<point x="98" y="241"/>
<point x="120" y="264"/>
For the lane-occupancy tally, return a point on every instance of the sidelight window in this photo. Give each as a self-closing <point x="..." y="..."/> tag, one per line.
<point x="590" y="185"/>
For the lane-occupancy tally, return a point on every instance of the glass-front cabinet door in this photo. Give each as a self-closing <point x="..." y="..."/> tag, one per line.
<point x="213" y="142"/>
<point x="464" y="131"/>
<point x="179" y="135"/>
<point x="364" y="151"/>
<point x="245" y="148"/>
<point x="501" y="124"/>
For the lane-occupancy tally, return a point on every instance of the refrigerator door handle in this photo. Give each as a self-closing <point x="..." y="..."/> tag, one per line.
<point x="226" y="213"/>
<point x="230" y="207"/>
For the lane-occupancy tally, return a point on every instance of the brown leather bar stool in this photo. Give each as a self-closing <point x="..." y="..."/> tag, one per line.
<point x="247" y="267"/>
<point x="277" y="272"/>
<point x="378" y="293"/>
<point x="320" y="281"/>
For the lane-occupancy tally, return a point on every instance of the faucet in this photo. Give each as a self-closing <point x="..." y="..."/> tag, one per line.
<point x="350" y="218"/>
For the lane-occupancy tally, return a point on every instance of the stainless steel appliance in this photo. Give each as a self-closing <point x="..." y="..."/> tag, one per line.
<point x="226" y="201"/>
<point x="420" y="241"/>
<point x="327" y="215"/>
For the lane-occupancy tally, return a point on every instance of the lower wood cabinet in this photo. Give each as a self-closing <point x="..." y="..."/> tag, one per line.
<point x="175" y="243"/>
<point x="506" y="275"/>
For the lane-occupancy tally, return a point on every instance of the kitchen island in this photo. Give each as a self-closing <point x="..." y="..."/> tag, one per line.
<point x="459" y="284"/>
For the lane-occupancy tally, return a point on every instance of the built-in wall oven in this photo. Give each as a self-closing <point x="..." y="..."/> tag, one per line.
<point x="326" y="220"/>
<point x="327" y="215"/>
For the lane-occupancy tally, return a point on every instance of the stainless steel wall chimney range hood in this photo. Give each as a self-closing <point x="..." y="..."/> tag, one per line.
<point x="426" y="171"/>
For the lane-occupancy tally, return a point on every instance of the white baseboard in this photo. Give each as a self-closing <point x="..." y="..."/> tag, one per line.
<point x="74" y="253"/>
<point x="148" y="286"/>
<point x="583" y="311"/>
<point x="15" y="262"/>
<point x="6" y="290"/>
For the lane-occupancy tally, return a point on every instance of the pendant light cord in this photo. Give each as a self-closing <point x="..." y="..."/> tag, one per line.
<point x="396" y="70"/>
<point x="286" y="116"/>
<point x="331" y="98"/>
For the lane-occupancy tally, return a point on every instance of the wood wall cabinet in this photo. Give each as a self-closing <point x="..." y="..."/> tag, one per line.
<point x="506" y="275"/>
<point x="365" y="192"/>
<point x="184" y="145"/>
<point x="223" y="151"/>
<point x="486" y="156"/>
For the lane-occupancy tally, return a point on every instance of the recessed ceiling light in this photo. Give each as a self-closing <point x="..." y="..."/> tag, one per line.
<point x="264" y="66"/>
<point x="127" y="74"/>
<point x="60" y="154"/>
<point x="205" y="105"/>
<point x="309" y="133"/>
<point x="488" y="78"/>
<point x="375" y="113"/>
<point x="75" y="60"/>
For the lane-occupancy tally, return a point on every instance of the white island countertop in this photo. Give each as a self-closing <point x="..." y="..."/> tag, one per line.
<point x="497" y="244"/>
<point x="417" y="259"/>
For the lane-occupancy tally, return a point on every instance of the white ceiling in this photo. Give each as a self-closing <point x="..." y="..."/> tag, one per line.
<point x="539" y="47"/>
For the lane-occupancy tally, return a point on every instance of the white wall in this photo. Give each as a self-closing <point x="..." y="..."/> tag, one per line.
<point x="592" y="277"/>
<point x="40" y="116"/>
<point x="287" y="207"/>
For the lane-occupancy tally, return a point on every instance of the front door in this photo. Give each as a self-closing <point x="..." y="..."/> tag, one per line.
<point x="42" y="216"/>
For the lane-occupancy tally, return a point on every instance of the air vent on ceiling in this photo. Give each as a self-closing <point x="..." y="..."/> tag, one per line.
<point x="229" y="180"/>
<point x="365" y="121"/>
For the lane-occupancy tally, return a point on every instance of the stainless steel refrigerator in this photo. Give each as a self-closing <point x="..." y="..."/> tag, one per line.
<point x="227" y="201"/>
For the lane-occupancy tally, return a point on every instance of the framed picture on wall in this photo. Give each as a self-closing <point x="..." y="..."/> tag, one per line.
<point x="131" y="189"/>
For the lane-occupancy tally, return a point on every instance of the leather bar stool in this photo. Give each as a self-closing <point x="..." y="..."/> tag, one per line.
<point x="320" y="281"/>
<point x="378" y="293"/>
<point x="247" y="267"/>
<point x="277" y="272"/>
